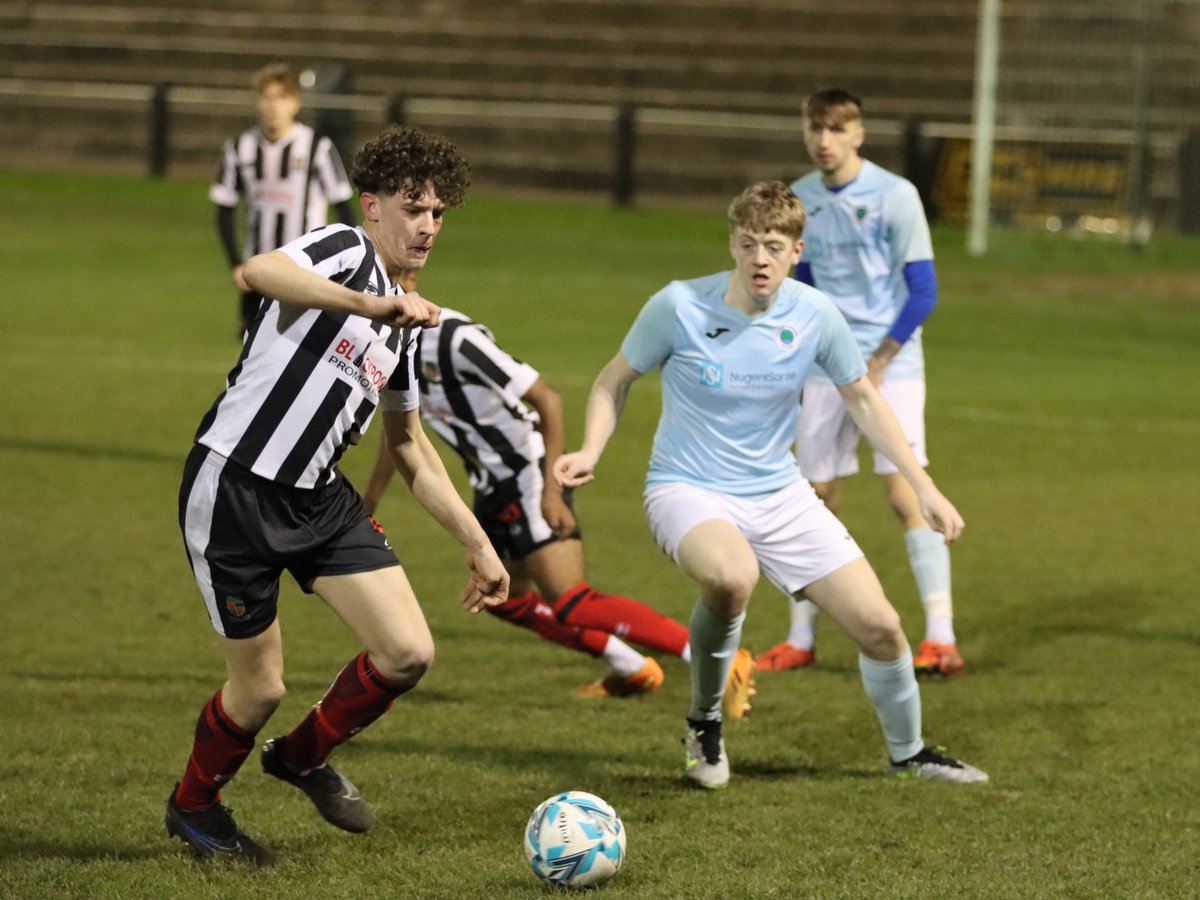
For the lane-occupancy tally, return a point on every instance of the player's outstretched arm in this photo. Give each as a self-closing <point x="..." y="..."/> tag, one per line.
<point x="419" y="464"/>
<point x="877" y="421"/>
<point x="604" y="406"/>
<point x="278" y="276"/>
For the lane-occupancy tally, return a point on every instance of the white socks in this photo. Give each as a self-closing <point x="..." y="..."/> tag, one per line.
<point x="930" y="560"/>
<point x="803" y="630"/>
<point x="622" y="659"/>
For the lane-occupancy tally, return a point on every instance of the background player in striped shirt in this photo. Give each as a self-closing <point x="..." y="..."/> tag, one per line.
<point x="262" y="491"/>
<point x="867" y="247"/>
<point x="285" y="174"/>
<point x="724" y="497"/>
<point x="478" y="398"/>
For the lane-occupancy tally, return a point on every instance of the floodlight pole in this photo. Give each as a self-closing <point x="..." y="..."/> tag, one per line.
<point x="987" y="54"/>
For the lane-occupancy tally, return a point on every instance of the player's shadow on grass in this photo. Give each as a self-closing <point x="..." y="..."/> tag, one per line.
<point x="297" y="685"/>
<point x="558" y="762"/>
<point x="775" y="770"/>
<point x="14" y="846"/>
<point x="94" y="451"/>
<point x="553" y="760"/>
<point x="749" y="770"/>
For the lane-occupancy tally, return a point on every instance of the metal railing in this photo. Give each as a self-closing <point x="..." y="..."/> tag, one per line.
<point x="629" y="148"/>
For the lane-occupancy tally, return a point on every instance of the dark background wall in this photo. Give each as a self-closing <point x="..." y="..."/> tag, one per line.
<point x="534" y="89"/>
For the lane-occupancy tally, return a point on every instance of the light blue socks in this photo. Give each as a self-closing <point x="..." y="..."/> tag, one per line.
<point x="930" y="560"/>
<point x="713" y="641"/>
<point x="892" y="687"/>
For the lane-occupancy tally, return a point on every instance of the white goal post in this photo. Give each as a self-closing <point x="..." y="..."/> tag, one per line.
<point x="1072" y="125"/>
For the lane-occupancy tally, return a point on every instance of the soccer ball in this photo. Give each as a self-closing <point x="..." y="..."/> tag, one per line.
<point x="575" y="839"/>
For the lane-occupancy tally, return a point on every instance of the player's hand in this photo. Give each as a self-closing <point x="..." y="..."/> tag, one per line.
<point x="239" y="279"/>
<point x="406" y="310"/>
<point x="558" y="515"/>
<point x="941" y="515"/>
<point x="574" y="469"/>
<point x="488" y="584"/>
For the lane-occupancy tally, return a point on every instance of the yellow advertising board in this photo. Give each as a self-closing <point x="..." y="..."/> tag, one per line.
<point x="1038" y="184"/>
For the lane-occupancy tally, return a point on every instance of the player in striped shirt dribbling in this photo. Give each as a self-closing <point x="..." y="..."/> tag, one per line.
<point x="262" y="492"/>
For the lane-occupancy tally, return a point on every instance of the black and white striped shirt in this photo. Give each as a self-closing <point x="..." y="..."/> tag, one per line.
<point x="308" y="381"/>
<point x="471" y="393"/>
<point x="288" y="185"/>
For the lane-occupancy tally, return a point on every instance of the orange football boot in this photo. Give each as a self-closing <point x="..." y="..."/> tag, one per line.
<point x="785" y="656"/>
<point x="739" y="686"/>
<point x="645" y="680"/>
<point x="937" y="659"/>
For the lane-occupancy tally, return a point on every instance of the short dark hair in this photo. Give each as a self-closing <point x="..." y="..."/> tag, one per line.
<point x="404" y="160"/>
<point x="836" y="104"/>
<point x="768" y="206"/>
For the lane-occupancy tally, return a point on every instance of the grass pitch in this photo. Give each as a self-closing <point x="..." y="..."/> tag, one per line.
<point x="1063" y="421"/>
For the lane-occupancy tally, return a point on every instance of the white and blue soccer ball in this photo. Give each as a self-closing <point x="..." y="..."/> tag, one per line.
<point x="575" y="839"/>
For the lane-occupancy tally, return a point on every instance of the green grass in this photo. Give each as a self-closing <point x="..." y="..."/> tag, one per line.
<point x="1063" y="421"/>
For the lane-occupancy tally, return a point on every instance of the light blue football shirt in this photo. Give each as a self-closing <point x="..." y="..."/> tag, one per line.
<point x="858" y="240"/>
<point x="731" y="382"/>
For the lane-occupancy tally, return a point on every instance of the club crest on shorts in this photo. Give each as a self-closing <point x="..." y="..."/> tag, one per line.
<point x="236" y="606"/>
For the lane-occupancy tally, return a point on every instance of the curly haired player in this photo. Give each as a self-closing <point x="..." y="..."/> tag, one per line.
<point x="262" y="491"/>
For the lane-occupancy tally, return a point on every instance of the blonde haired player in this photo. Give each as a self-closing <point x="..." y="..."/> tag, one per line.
<point x="724" y="497"/>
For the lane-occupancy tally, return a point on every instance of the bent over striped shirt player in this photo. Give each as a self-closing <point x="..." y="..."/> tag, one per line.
<point x="505" y="422"/>
<point x="262" y="492"/>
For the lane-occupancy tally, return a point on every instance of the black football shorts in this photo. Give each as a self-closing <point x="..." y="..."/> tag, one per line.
<point x="511" y="514"/>
<point x="242" y="531"/>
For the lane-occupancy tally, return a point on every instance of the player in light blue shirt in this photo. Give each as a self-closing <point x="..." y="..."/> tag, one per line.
<point x="867" y="247"/>
<point x="723" y="495"/>
<point x="731" y="380"/>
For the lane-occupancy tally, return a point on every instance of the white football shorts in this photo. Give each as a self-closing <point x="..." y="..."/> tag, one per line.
<point x="827" y="438"/>
<point x="796" y="539"/>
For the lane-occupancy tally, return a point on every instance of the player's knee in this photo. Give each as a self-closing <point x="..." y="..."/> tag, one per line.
<point x="251" y="705"/>
<point x="904" y="504"/>
<point x="272" y="695"/>
<point x="731" y="583"/>
<point x="904" y="510"/>
<point x="404" y="664"/>
<point x="881" y="636"/>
